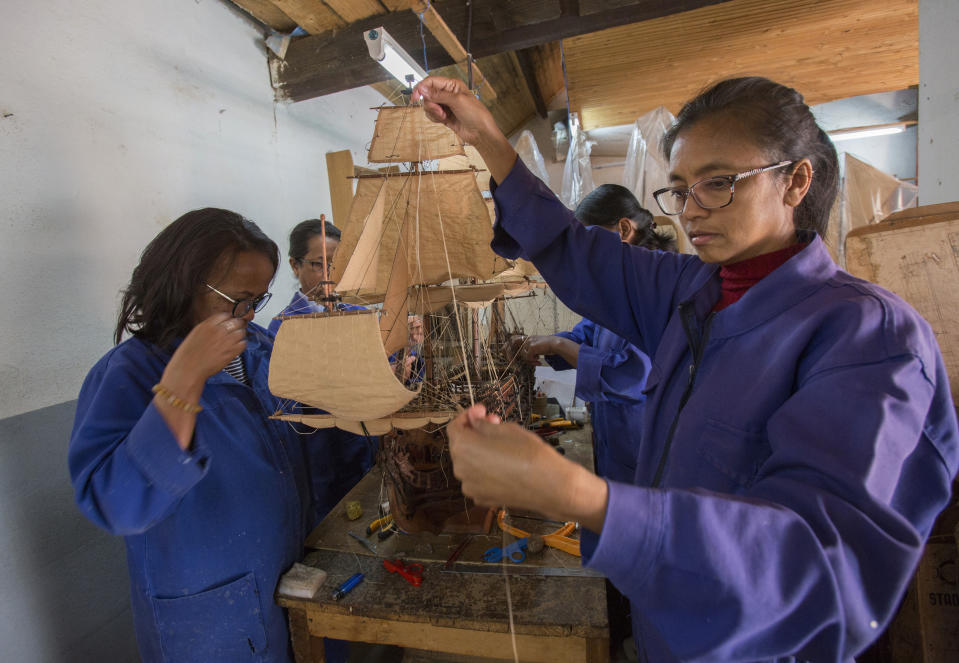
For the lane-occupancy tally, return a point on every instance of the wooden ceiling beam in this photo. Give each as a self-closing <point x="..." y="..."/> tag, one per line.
<point x="267" y="13"/>
<point x="319" y="64"/>
<point x="513" y="106"/>
<point x="354" y="10"/>
<point x="437" y="26"/>
<point x="313" y="16"/>
<point x="398" y="5"/>
<point x="529" y="75"/>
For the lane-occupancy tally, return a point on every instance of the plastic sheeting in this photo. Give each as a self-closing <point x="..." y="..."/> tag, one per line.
<point x="578" y="171"/>
<point x="646" y="168"/>
<point x="867" y="196"/>
<point x="531" y="156"/>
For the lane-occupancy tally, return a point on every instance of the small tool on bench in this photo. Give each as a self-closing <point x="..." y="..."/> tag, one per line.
<point x="516" y="552"/>
<point x="412" y="572"/>
<point x="557" y="539"/>
<point x="384" y="525"/>
<point x="366" y="544"/>
<point x="459" y="549"/>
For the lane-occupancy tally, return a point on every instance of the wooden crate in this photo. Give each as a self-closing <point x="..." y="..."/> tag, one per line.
<point x="915" y="254"/>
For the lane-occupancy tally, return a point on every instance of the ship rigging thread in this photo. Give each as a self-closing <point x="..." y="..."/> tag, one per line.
<point x="362" y="371"/>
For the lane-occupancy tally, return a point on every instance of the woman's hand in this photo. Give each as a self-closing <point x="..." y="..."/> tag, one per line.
<point x="531" y="348"/>
<point x="503" y="464"/>
<point x="449" y="102"/>
<point x="517" y="347"/>
<point x="210" y="345"/>
<point x="206" y="350"/>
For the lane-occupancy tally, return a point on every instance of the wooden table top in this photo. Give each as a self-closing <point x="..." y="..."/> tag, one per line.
<point x="572" y="605"/>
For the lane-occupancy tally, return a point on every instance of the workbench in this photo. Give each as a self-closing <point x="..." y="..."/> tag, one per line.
<point x="463" y="611"/>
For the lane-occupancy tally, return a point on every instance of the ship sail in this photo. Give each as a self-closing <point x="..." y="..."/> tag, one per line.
<point x="424" y="208"/>
<point x="416" y="243"/>
<point x="337" y="363"/>
<point x="403" y="134"/>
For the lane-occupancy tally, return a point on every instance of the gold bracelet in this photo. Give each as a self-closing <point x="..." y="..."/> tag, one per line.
<point x="174" y="400"/>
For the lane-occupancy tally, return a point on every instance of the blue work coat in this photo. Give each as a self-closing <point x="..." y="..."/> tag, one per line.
<point x="340" y="463"/>
<point x="610" y="374"/>
<point x="208" y="531"/>
<point x="299" y="305"/>
<point x="796" y="449"/>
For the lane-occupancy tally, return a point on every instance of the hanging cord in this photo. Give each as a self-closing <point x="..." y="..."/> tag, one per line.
<point x="449" y="270"/>
<point x="469" y="38"/>
<point x="469" y="384"/>
<point x="426" y="66"/>
<point x="509" y="604"/>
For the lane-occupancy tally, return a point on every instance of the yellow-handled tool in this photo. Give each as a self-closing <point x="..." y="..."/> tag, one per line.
<point x="557" y="539"/>
<point x="380" y="523"/>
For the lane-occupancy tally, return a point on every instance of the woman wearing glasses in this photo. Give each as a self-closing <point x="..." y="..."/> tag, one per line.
<point x="306" y="260"/>
<point x="799" y="437"/>
<point x="172" y="447"/>
<point x="342" y="460"/>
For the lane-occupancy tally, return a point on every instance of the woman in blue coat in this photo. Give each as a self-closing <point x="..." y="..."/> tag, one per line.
<point x="306" y="260"/>
<point x="610" y="371"/>
<point x="172" y="447"/>
<point x="799" y="437"/>
<point x="341" y="462"/>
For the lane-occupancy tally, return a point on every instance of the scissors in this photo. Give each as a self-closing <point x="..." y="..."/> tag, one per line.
<point x="516" y="552"/>
<point x="412" y="572"/>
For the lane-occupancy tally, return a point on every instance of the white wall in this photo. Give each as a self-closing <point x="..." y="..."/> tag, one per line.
<point x="117" y="116"/>
<point x="938" y="101"/>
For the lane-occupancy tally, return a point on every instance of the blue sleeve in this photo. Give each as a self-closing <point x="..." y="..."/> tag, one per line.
<point x="612" y="375"/>
<point x="274" y="326"/>
<point x="790" y="565"/>
<point x="127" y="469"/>
<point x="630" y="290"/>
<point x="583" y="332"/>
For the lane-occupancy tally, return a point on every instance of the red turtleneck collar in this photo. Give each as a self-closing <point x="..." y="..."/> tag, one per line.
<point x="739" y="277"/>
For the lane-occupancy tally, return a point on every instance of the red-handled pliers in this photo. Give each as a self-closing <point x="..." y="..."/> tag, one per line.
<point x="412" y="572"/>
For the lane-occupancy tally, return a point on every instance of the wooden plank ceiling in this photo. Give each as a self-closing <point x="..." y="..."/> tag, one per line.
<point x="828" y="49"/>
<point x="622" y="57"/>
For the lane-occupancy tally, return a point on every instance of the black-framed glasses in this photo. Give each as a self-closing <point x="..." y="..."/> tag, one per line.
<point x="243" y="306"/>
<point x="709" y="192"/>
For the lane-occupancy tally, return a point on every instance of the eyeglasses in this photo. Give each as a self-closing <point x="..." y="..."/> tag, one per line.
<point x="315" y="265"/>
<point x="709" y="193"/>
<point x="243" y="306"/>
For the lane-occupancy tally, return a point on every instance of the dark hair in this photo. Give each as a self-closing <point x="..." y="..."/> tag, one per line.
<point x="605" y="205"/>
<point x="777" y="119"/>
<point x="304" y="231"/>
<point x="157" y="305"/>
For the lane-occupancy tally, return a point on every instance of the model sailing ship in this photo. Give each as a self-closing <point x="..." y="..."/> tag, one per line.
<point x="417" y="242"/>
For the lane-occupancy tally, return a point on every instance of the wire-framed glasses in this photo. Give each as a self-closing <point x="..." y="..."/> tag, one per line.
<point x="709" y="192"/>
<point x="243" y="306"/>
<point x="314" y="265"/>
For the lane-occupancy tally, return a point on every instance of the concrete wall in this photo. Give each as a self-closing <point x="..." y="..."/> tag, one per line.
<point x="117" y="116"/>
<point x="938" y="101"/>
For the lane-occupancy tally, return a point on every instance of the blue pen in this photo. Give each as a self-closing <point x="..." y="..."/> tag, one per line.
<point x="345" y="588"/>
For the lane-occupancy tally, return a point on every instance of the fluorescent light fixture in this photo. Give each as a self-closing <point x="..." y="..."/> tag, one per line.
<point x="866" y="132"/>
<point x="384" y="49"/>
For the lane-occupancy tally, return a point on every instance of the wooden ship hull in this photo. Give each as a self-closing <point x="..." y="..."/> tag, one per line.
<point x="418" y="472"/>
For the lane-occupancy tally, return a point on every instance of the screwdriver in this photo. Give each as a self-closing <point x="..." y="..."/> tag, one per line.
<point x="345" y="588"/>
